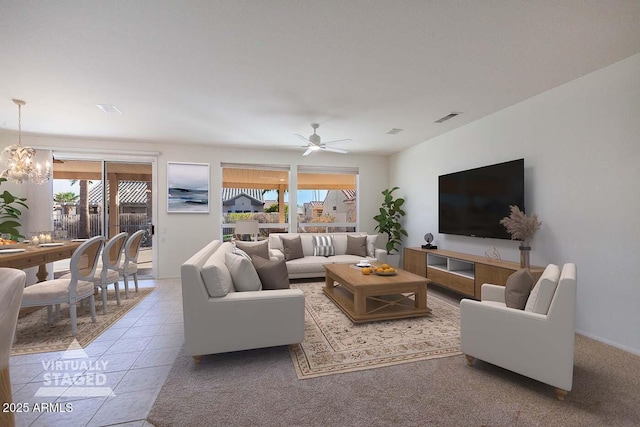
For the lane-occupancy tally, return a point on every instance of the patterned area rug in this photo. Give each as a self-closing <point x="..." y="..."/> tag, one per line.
<point x="36" y="336"/>
<point x="333" y="344"/>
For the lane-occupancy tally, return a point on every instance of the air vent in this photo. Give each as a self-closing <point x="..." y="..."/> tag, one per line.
<point x="447" y="117"/>
<point x="109" y="109"/>
<point x="394" y="131"/>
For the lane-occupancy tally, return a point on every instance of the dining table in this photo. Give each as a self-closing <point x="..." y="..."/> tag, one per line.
<point x="24" y="255"/>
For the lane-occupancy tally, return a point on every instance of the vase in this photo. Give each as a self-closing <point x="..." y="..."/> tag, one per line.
<point x="525" y="251"/>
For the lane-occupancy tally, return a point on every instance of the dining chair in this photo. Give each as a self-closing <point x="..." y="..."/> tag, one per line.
<point x="12" y="283"/>
<point x="129" y="266"/>
<point x="75" y="287"/>
<point x="109" y="273"/>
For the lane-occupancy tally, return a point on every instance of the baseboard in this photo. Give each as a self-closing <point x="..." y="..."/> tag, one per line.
<point x="611" y="343"/>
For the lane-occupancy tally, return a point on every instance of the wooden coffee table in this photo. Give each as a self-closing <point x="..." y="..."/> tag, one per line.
<point x="365" y="298"/>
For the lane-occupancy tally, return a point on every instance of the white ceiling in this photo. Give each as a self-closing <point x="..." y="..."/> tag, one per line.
<point x="253" y="73"/>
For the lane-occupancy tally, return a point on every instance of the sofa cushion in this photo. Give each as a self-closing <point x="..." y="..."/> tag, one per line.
<point x="542" y="293"/>
<point x="215" y="273"/>
<point x="292" y="248"/>
<point x="348" y="259"/>
<point x="255" y="248"/>
<point x="340" y="244"/>
<point x="323" y="246"/>
<point x="371" y="245"/>
<point x="357" y="246"/>
<point x="517" y="289"/>
<point x="273" y="274"/>
<point x="308" y="264"/>
<point x="243" y="273"/>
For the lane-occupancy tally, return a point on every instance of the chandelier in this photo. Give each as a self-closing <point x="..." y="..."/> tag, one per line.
<point x="21" y="162"/>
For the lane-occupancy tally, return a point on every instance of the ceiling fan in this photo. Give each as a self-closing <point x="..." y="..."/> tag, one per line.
<point x="313" y="143"/>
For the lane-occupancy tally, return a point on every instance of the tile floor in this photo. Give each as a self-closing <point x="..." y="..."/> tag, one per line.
<point x="134" y="357"/>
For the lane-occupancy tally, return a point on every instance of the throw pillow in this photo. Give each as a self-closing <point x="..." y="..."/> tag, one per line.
<point x="323" y="246"/>
<point x="292" y="248"/>
<point x="241" y="253"/>
<point x="542" y="293"/>
<point x="255" y="248"/>
<point x="215" y="273"/>
<point x="357" y="245"/>
<point x="517" y="289"/>
<point x="244" y="275"/>
<point x="273" y="274"/>
<point x="371" y="245"/>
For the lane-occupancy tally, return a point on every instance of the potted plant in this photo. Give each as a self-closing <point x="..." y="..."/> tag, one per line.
<point x="389" y="223"/>
<point x="10" y="213"/>
<point x="521" y="228"/>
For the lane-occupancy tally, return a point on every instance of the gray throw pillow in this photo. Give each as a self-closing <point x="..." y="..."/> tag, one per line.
<point x="357" y="246"/>
<point x="517" y="289"/>
<point x="273" y="274"/>
<point x="255" y="248"/>
<point x="292" y="248"/>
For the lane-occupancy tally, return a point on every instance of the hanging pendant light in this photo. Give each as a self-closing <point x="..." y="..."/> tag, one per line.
<point x="21" y="162"/>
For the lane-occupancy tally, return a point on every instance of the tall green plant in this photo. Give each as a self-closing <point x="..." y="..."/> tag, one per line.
<point x="389" y="220"/>
<point x="10" y="212"/>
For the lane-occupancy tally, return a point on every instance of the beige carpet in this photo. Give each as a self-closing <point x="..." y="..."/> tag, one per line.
<point x="334" y="345"/>
<point x="36" y="336"/>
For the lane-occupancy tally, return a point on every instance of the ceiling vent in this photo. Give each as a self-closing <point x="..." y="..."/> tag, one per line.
<point x="394" y="131"/>
<point x="109" y="109"/>
<point x="447" y="117"/>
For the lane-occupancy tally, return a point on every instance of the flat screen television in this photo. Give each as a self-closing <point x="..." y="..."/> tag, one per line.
<point x="472" y="202"/>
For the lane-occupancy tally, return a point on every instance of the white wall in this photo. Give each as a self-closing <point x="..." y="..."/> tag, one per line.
<point x="181" y="235"/>
<point x="581" y="145"/>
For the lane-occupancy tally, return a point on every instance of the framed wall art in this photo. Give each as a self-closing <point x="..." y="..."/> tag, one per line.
<point x="187" y="187"/>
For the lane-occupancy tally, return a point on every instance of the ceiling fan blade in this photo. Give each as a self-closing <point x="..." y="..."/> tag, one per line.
<point x="306" y="140"/>
<point x="334" y="150"/>
<point x="310" y="150"/>
<point x="338" y="140"/>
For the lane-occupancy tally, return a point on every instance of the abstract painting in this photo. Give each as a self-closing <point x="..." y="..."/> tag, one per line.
<point x="187" y="187"/>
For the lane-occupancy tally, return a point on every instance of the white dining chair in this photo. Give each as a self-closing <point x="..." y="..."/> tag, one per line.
<point x="108" y="273"/>
<point x="12" y="283"/>
<point x="129" y="266"/>
<point x="70" y="289"/>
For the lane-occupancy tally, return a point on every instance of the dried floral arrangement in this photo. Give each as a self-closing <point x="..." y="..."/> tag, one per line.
<point x="519" y="226"/>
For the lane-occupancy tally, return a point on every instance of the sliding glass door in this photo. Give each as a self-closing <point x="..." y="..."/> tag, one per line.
<point x="97" y="197"/>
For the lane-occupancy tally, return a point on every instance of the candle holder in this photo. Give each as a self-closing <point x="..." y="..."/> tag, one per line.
<point x="40" y="237"/>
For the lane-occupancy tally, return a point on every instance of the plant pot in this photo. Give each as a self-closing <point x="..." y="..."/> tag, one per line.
<point x="393" y="260"/>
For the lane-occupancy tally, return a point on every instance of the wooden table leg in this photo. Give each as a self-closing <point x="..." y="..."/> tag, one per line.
<point x="328" y="284"/>
<point x="421" y="297"/>
<point x="359" y="302"/>
<point x="42" y="273"/>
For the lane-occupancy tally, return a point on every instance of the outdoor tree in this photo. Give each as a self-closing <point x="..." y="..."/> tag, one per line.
<point x="83" y="209"/>
<point x="66" y="198"/>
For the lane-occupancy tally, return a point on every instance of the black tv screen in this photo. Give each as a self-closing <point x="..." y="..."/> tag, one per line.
<point x="472" y="202"/>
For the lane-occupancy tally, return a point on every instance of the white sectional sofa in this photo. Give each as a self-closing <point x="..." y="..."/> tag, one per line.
<point x="313" y="266"/>
<point x="218" y="319"/>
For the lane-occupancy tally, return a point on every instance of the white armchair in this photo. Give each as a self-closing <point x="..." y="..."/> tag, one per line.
<point x="533" y="344"/>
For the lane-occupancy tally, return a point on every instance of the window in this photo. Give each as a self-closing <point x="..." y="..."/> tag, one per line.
<point x="254" y="192"/>
<point x="327" y="199"/>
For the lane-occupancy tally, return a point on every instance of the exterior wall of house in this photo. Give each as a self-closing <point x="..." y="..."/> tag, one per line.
<point x="243" y="204"/>
<point x="335" y="205"/>
<point x="581" y="147"/>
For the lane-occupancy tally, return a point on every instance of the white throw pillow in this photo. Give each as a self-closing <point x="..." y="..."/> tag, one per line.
<point x="244" y="275"/>
<point x="242" y="253"/>
<point x="216" y="276"/>
<point x="371" y="245"/>
<point x="542" y="293"/>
